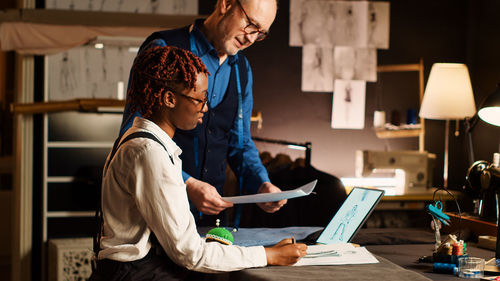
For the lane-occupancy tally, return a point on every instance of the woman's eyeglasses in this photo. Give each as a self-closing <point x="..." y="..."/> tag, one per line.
<point x="252" y="28"/>
<point x="198" y="101"/>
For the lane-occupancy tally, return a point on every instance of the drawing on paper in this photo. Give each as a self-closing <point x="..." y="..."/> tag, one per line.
<point x="348" y="110"/>
<point x="317" y="69"/>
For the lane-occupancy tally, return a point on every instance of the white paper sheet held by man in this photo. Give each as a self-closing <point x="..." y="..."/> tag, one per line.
<point x="273" y="197"/>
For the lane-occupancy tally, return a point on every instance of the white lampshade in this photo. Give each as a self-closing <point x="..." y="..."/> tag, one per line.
<point x="448" y="94"/>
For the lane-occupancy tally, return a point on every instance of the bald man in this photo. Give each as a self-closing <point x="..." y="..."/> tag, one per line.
<point x="222" y="137"/>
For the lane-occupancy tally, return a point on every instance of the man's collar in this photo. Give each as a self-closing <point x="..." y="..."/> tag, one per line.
<point x="203" y="46"/>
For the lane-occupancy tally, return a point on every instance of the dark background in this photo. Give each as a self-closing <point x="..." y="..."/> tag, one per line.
<point x="437" y="31"/>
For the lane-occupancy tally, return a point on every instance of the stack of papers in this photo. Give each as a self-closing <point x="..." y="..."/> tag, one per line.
<point x="336" y="254"/>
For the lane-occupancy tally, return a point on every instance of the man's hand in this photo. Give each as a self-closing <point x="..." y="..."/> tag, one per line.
<point x="270" y="207"/>
<point x="285" y="252"/>
<point x="205" y="197"/>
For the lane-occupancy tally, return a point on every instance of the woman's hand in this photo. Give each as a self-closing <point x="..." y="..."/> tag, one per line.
<point x="286" y="252"/>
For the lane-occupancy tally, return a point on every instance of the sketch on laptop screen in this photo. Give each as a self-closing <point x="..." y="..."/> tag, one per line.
<point x="351" y="215"/>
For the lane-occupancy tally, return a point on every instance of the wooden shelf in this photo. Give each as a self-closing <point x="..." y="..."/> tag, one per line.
<point x="403" y="133"/>
<point x="70" y="105"/>
<point x="399" y="67"/>
<point x="81" y="18"/>
<point x="407" y="133"/>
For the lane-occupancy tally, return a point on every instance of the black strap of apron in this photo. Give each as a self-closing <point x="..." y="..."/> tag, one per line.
<point x="98" y="213"/>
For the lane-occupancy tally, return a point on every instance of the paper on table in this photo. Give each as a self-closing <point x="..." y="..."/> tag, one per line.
<point x="336" y="254"/>
<point x="273" y="197"/>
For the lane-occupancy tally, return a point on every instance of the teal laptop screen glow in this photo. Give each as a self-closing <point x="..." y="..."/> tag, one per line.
<point x="351" y="216"/>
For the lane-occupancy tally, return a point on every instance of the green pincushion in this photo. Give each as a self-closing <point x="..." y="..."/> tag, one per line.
<point x="221" y="235"/>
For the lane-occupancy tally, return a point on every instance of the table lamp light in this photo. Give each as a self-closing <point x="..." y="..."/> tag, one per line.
<point x="489" y="112"/>
<point x="448" y="95"/>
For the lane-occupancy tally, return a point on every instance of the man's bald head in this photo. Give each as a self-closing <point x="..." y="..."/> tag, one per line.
<point x="236" y="24"/>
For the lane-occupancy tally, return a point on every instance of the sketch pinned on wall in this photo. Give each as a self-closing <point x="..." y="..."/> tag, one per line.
<point x="125" y="58"/>
<point x="355" y="64"/>
<point x="131" y="6"/>
<point x="87" y="72"/>
<point x="110" y="5"/>
<point x="65" y="75"/>
<point x="350" y="23"/>
<point x="184" y="7"/>
<point x="317" y="69"/>
<point x="348" y="109"/>
<point x="339" y="23"/>
<point x="91" y="72"/>
<point x="362" y="24"/>
<point x="378" y="25"/>
<point x="312" y="22"/>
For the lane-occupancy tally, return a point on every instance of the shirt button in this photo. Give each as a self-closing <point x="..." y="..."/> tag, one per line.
<point x="209" y="131"/>
<point x="208" y="150"/>
<point x="205" y="170"/>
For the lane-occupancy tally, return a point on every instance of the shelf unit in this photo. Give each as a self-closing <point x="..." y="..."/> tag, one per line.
<point x="71" y="163"/>
<point x="405" y="133"/>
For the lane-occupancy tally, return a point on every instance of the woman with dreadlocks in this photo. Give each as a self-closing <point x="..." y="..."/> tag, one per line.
<point x="148" y="230"/>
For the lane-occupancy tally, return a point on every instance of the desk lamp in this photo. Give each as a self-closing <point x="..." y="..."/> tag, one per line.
<point x="448" y="95"/>
<point x="489" y="112"/>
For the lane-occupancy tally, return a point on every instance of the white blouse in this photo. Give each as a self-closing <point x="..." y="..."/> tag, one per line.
<point x="143" y="191"/>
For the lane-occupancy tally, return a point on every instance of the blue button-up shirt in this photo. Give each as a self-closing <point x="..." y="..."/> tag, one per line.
<point x="253" y="172"/>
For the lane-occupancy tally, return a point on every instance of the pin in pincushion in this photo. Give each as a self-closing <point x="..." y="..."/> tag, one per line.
<point x="220" y="235"/>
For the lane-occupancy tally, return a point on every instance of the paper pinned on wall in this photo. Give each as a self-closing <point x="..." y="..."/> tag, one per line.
<point x="378" y="25"/>
<point x="336" y="254"/>
<point x="87" y="72"/>
<point x="312" y="23"/>
<point x="273" y="197"/>
<point x="66" y="80"/>
<point x="331" y="23"/>
<point x="355" y="64"/>
<point x="348" y="110"/>
<point x="173" y="7"/>
<point x="317" y="69"/>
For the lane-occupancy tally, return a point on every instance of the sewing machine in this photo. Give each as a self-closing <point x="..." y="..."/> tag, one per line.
<point x="411" y="169"/>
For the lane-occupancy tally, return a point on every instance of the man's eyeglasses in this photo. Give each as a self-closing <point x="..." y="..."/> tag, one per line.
<point x="252" y="28"/>
<point x="198" y="101"/>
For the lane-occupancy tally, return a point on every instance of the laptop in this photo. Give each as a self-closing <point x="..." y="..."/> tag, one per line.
<point x="350" y="217"/>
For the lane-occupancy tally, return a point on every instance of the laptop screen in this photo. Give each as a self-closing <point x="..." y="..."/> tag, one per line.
<point x="351" y="216"/>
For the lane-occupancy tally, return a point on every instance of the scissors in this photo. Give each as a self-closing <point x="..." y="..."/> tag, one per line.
<point x="436" y="211"/>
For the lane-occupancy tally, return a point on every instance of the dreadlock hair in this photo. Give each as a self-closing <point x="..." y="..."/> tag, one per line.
<point x="157" y="70"/>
